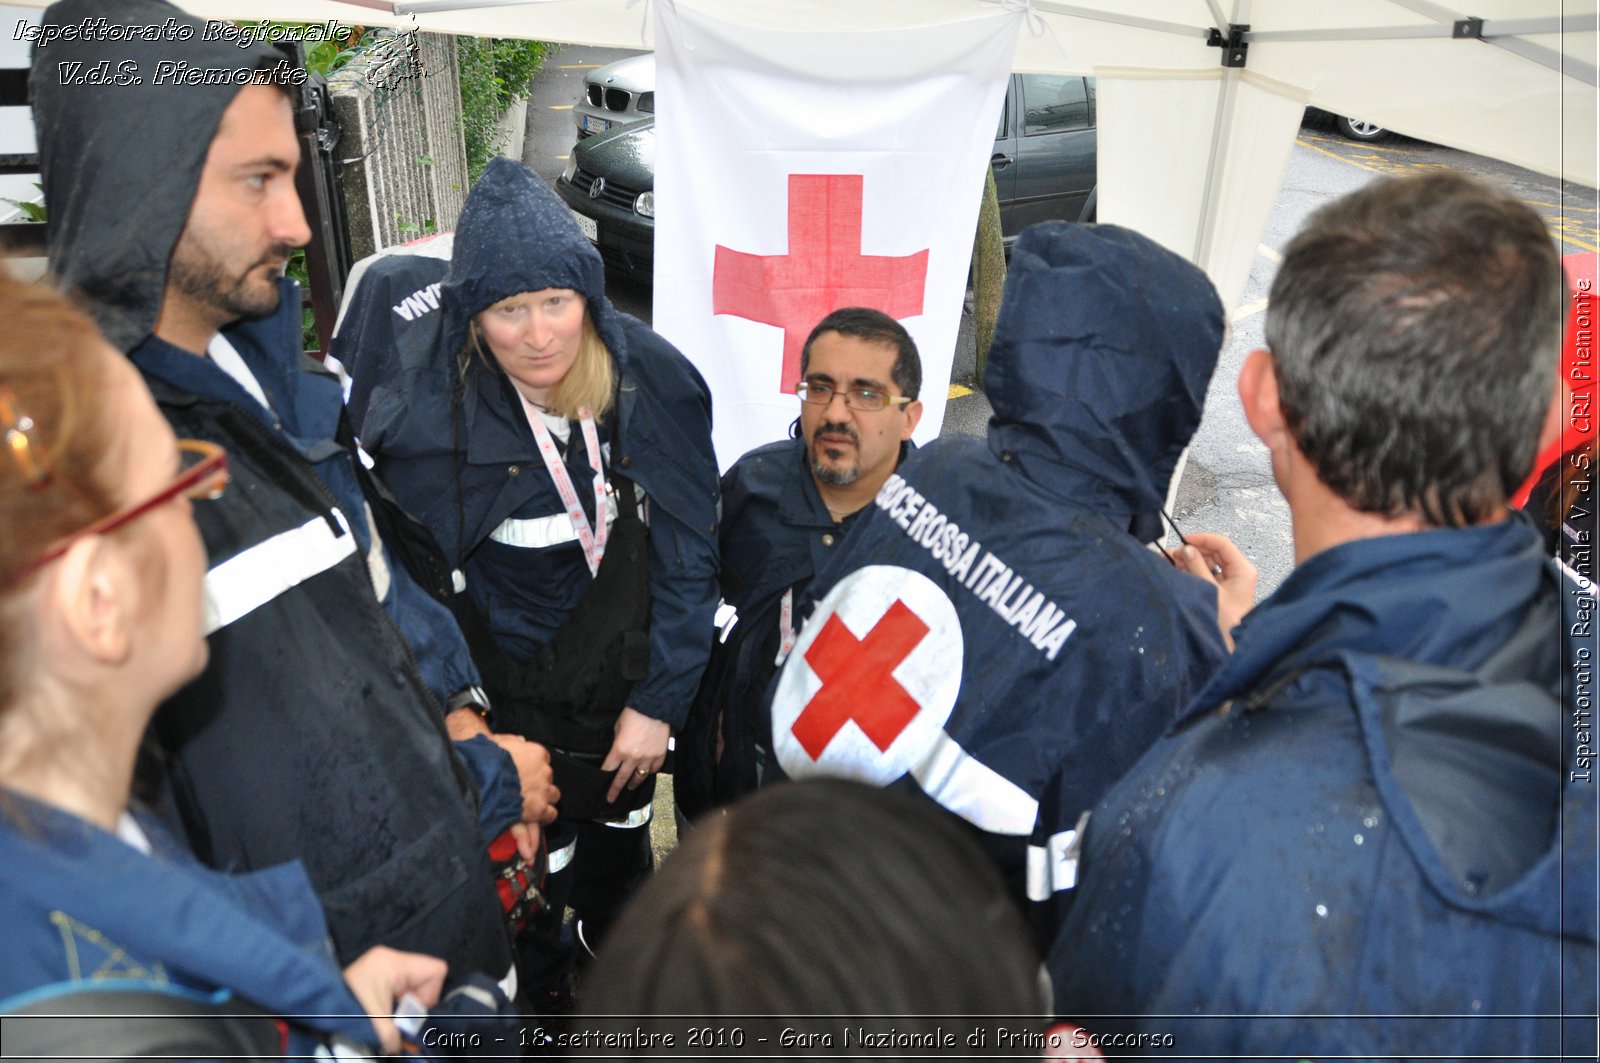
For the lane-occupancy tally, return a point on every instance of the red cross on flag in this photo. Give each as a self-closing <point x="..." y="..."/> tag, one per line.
<point x="800" y="172"/>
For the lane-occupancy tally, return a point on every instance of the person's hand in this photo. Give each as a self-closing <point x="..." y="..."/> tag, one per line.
<point x="539" y="791"/>
<point x="1216" y="560"/>
<point x="381" y="976"/>
<point x="526" y="835"/>
<point x="638" y="750"/>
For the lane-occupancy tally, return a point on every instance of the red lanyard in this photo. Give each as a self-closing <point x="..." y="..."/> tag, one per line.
<point x="592" y="540"/>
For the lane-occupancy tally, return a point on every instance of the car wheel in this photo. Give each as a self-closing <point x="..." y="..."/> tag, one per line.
<point x="1356" y="129"/>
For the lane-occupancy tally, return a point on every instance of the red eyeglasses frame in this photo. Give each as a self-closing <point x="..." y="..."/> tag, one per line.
<point x="205" y="479"/>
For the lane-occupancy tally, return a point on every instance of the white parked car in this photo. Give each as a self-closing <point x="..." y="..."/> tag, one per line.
<point x="617" y="94"/>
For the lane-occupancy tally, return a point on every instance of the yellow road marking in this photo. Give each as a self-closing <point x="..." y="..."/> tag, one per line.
<point x="1269" y="254"/>
<point x="579" y="66"/>
<point x="956" y="391"/>
<point x="563" y="158"/>
<point x="1567" y="230"/>
<point x="561" y="106"/>
<point x="1560" y="229"/>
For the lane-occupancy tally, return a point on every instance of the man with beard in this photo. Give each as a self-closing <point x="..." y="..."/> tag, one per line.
<point x="785" y="509"/>
<point x="318" y="731"/>
<point x="996" y="635"/>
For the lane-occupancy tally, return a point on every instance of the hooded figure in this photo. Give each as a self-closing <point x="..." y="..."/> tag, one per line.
<point x="995" y="632"/>
<point x="581" y="629"/>
<point x="316" y="731"/>
<point x="119" y="185"/>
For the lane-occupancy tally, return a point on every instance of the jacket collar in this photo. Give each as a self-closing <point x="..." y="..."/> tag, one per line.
<point x="1417" y="596"/>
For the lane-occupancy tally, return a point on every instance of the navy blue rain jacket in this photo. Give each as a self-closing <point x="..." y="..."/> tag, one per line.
<point x="1379" y="808"/>
<point x="80" y="908"/>
<point x="1048" y="647"/>
<point x="459" y="454"/>
<point x="776" y="535"/>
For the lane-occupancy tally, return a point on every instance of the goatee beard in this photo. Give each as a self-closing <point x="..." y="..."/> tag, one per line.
<point x="834" y="477"/>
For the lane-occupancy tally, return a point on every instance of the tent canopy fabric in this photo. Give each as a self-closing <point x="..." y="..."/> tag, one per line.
<point x="1191" y="150"/>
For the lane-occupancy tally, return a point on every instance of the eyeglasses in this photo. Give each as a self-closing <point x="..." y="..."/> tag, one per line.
<point x="203" y="474"/>
<point x="867" y="400"/>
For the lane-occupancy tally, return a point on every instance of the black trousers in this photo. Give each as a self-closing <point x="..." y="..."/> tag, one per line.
<point x="608" y="863"/>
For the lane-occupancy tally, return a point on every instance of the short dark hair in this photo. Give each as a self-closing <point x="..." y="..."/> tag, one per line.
<point x="818" y="898"/>
<point x="1415" y="327"/>
<point x="873" y="326"/>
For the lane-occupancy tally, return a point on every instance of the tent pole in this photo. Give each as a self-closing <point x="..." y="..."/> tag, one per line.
<point x="1228" y="91"/>
<point x="1119" y="19"/>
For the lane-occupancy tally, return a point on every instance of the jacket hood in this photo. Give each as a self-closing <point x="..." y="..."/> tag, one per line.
<point x="1098" y="371"/>
<point x="121" y="162"/>
<point x="515" y="235"/>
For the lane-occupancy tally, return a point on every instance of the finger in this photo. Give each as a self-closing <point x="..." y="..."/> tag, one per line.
<point x="1195" y="563"/>
<point x="526" y="847"/>
<point x="1220" y="549"/>
<point x="388" y="1034"/>
<point x="424" y="978"/>
<point x="624" y="773"/>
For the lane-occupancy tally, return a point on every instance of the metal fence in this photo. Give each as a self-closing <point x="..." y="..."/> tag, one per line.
<point x="404" y="168"/>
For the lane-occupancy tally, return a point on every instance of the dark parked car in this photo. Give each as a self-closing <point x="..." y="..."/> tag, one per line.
<point x="1045" y="152"/>
<point x="1044" y="168"/>
<point x="610" y="186"/>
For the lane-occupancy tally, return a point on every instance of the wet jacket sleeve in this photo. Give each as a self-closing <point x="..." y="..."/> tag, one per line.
<point x="433" y="634"/>
<point x="499" y="792"/>
<point x="667" y="429"/>
<point x="683" y="604"/>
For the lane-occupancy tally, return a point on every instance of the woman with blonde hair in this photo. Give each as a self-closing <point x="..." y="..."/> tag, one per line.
<point x="560" y="452"/>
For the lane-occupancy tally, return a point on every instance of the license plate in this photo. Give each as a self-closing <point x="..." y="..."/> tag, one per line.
<point x="595" y="125"/>
<point x="588" y="226"/>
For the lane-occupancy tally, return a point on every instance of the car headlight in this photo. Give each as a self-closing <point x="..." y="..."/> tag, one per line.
<point x="572" y="168"/>
<point x="646" y="204"/>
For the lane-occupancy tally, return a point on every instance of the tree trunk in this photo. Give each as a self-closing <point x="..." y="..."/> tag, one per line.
<point x="988" y="270"/>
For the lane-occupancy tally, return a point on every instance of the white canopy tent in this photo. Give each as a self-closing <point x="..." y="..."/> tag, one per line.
<point x="1199" y="100"/>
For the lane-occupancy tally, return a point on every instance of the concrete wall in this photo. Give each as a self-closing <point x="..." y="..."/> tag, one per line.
<point x="399" y="112"/>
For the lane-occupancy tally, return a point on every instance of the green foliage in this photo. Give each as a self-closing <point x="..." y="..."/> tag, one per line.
<point x="33" y="211"/>
<point x="409" y="227"/>
<point x="324" y="57"/>
<point x="494" y="75"/>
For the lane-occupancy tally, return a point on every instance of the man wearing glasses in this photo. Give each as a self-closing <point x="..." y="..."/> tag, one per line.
<point x="994" y="633"/>
<point x="318" y="730"/>
<point x="786" y="507"/>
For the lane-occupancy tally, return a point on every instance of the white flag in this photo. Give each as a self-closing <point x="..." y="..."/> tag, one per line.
<point x="799" y="172"/>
